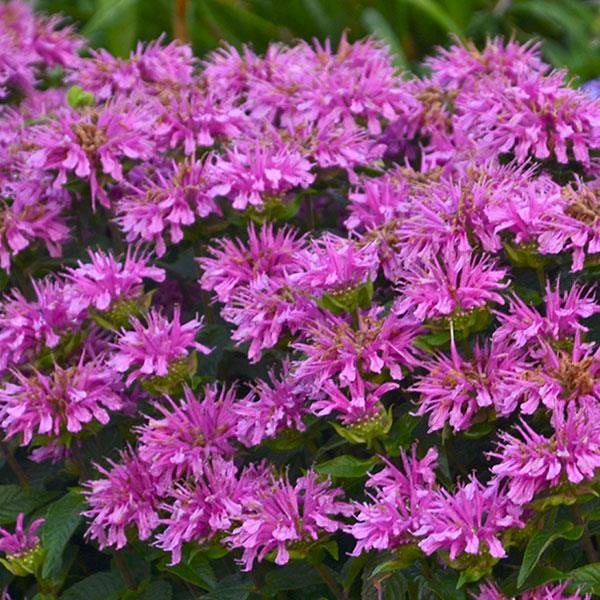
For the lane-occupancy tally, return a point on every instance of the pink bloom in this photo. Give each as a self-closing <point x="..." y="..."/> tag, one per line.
<point x="235" y="263"/>
<point x="451" y="285"/>
<point x="533" y="462"/>
<point x="280" y="514"/>
<point x="271" y="408"/>
<point x="332" y="347"/>
<point x="468" y="520"/>
<point x="209" y="505"/>
<point x="463" y="65"/>
<point x="27" y="327"/>
<point x="195" y="118"/>
<point x="94" y="141"/>
<point x="397" y="500"/>
<point x="150" y="68"/>
<point x="537" y="117"/>
<point x="488" y="591"/>
<point x="561" y="319"/>
<point x="251" y="173"/>
<point x="360" y="406"/>
<point x="20" y="542"/>
<point x="165" y="200"/>
<point x="454" y="389"/>
<point x="151" y="349"/>
<point x="65" y="400"/>
<point x="183" y="436"/>
<point x="105" y="280"/>
<point x="334" y="265"/>
<point x="262" y="312"/>
<point x="124" y="496"/>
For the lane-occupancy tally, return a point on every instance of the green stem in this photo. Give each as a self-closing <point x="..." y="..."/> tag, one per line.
<point x="330" y="582"/>
<point x="541" y="275"/>
<point x="14" y="465"/>
<point x="123" y="568"/>
<point x="586" y="540"/>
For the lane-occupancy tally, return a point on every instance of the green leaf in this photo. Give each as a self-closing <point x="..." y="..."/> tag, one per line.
<point x="346" y="466"/>
<point x="296" y="575"/>
<point x="157" y="590"/>
<point x="437" y="14"/>
<point x="541" y="541"/>
<point x="15" y="500"/>
<point x="99" y="586"/>
<point x="378" y="25"/>
<point x="234" y="587"/>
<point x="77" y="97"/>
<point x="587" y="578"/>
<point x="196" y="569"/>
<point x="62" y="519"/>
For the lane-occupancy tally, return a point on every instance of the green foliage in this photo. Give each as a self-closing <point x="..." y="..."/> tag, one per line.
<point x="568" y="29"/>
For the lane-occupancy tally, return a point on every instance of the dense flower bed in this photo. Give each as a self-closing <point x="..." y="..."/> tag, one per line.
<point x="296" y="309"/>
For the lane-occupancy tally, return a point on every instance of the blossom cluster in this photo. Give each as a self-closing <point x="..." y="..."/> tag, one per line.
<point x="317" y="308"/>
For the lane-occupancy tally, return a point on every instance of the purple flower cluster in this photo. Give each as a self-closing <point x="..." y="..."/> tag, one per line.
<point x="275" y="264"/>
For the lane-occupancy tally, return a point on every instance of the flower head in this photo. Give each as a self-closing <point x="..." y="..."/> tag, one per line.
<point x="105" y="280"/>
<point x="280" y="516"/>
<point x="150" y="349"/>
<point x="66" y="400"/>
<point x="124" y="496"/>
<point x="179" y="440"/>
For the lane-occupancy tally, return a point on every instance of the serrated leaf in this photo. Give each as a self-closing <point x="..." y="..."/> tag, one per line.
<point x="99" y="586"/>
<point x="294" y="576"/>
<point x="15" y="500"/>
<point x="234" y="587"/>
<point x="587" y="578"/>
<point x="541" y="541"/>
<point x="196" y="569"/>
<point x="157" y="590"/>
<point x="62" y="519"/>
<point x="346" y="466"/>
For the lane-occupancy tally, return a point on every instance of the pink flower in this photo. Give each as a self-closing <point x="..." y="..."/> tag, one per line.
<point x="106" y="280"/>
<point x="279" y="515"/>
<point x="183" y="436"/>
<point x="469" y="520"/>
<point x="124" y="496"/>
<point x="537" y="117"/>
<point x="463" y="65"/>
<point x="151" y="349"/>
<point x="360" y="406"/>
<point x="165" y="200"/>
<point x="262" y="312"/>
<point x="209" y="505"/>
<point x="397" y="501"/>
<point x="533" y="462"/>
<point x="27" y="327"/>
<point x="451" y="285"/>
<point x="334" y="265"/>
<point x="453" y="389"/>
<point x="20" y="542"/>
<point x="66" y="400"/>
<point x="94" y="141"/>
<point x="561" y="319"/>
<point x="150" y="68"/>
<point x="252" y="173"/>
<point x="378" y="343"/>
<point x="271" y="408"/>
<point x="234" y="263"/>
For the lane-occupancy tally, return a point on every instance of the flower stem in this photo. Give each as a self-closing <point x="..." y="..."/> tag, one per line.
<point x="330" y="582"/>
<point x="180" y="30"/>
<point x="14" y="465"/>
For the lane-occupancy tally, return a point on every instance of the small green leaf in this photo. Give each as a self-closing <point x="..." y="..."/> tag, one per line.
<point x="586" y="578"/>
<point x="62" y="519"/>
<point x="541" y="541"/>
<point x="194" y="568"/>
<point x="296" y="575"/>
<point x="99" y="586"/>
<point x="15" y="500"/>
<point x="346" y="466"/>
<point x="78" y="97"/>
